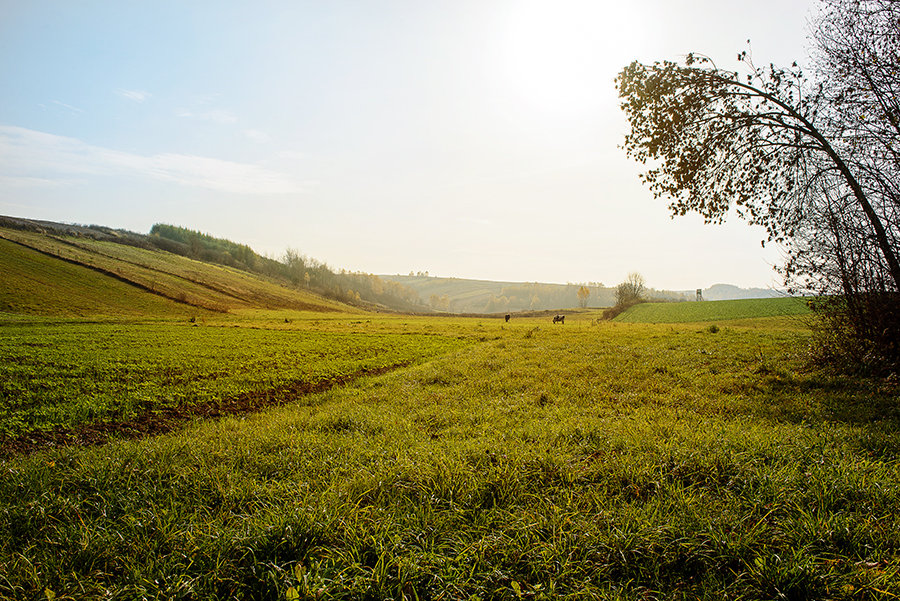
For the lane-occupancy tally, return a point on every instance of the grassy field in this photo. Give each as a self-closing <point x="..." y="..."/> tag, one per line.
<point x="508" y="461"/>
<point x="63" y="375"/>
<point x="714" y="310"/>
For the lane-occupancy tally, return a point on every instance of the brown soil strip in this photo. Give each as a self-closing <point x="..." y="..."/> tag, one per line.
<point x="168" y="419"/>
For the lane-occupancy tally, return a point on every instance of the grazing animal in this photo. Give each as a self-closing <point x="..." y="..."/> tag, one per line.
<point x="559" y="319"/>
<point x="507" y="317"/>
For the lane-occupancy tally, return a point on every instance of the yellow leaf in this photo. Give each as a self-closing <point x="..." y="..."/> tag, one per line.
<point x="292" y="594"/>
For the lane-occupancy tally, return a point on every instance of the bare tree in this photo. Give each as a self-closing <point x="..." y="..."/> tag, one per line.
<point x="630" y="291"/>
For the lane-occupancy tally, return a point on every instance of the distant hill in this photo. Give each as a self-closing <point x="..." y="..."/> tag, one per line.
<point x="174" y="264"/>
<point x="729" y="292"/>
<point x="457" y="295"/>
<point x="62" y="269"/>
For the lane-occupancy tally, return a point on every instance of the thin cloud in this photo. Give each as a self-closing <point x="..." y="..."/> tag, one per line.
<point x="69" y="107"/>
<point x="134" y="95"/>
<point x="37" y="157"/>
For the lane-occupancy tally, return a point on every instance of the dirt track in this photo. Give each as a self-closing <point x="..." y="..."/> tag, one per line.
<point x="171" y="418"/>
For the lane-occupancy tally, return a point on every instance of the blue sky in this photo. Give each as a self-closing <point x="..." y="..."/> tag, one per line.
<point x="466" y="138"/>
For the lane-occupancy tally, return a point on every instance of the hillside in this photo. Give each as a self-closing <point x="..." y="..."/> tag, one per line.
<point x="189" y="270"/>
<point x="458" y="295"/>
<point x="59" y="274"/>
<point x="34" y="283"/>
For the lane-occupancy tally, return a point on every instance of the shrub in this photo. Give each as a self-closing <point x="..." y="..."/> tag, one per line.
<point x="858" y="333"/>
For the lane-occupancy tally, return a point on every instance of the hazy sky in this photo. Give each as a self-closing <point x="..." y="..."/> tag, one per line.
<point x="472" y="139"/>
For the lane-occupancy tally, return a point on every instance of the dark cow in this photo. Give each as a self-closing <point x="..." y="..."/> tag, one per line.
<point x="507" y="318"/>
<point x="559" y="319"/>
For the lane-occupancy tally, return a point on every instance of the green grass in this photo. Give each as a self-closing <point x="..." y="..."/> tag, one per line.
<point x="585" y="461"/>
<point x="35" y="284"/>
<point x="714" y="310"/>
<point x="63" y="375"/>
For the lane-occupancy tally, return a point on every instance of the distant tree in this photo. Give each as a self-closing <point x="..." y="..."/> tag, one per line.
<point x="194" y="242"/>
<point x="583" y="293"/>
<point x="630" y="291"/>
<point x="295" y="264"/>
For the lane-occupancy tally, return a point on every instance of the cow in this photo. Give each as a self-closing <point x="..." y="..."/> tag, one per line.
<point x="507" y="317"/>
<point x="559" y="319"/>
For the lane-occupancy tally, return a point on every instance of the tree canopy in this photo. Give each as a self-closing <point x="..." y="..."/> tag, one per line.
<point x="815" y="160"/>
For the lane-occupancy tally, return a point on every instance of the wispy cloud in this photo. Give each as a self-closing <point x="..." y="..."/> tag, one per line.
<point x="68" y="107"/>
<point x="134" y="95"/>
<point x="36" y="158"/>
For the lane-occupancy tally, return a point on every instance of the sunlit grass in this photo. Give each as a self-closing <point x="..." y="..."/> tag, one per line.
<point x="613" y="461"/>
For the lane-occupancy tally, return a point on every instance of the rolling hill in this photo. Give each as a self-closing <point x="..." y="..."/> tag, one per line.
<point x="75" y="270"/>
<point x="70" y="274"/>
<point x="458" y="295"/>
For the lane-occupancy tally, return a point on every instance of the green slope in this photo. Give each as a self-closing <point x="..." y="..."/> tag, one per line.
<point x="714" y="310"/>
<point x="67" y="275"/>
<point x="36" y="284"/>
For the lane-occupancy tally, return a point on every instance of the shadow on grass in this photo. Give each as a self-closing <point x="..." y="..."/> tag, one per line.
<point x="819" y="399"/>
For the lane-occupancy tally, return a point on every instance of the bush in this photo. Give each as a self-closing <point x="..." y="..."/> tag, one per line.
<point x="858" y="333"/>
<point x="620" y="308"/>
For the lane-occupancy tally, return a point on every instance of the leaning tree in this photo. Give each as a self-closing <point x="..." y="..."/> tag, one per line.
<point x="814" y="162"/>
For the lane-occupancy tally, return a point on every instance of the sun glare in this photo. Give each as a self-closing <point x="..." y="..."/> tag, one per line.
<point x="555" y="60"/>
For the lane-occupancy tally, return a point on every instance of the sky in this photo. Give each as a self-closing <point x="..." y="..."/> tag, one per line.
<point x="467" y="138"/>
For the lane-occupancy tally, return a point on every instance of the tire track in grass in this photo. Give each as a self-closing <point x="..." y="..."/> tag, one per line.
<point x="168" y="419"/>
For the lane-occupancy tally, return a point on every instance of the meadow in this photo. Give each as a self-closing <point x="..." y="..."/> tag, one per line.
<point x="727" y="310"/>
<point x="59" y="376"/>
<point x="594" y="460"/>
